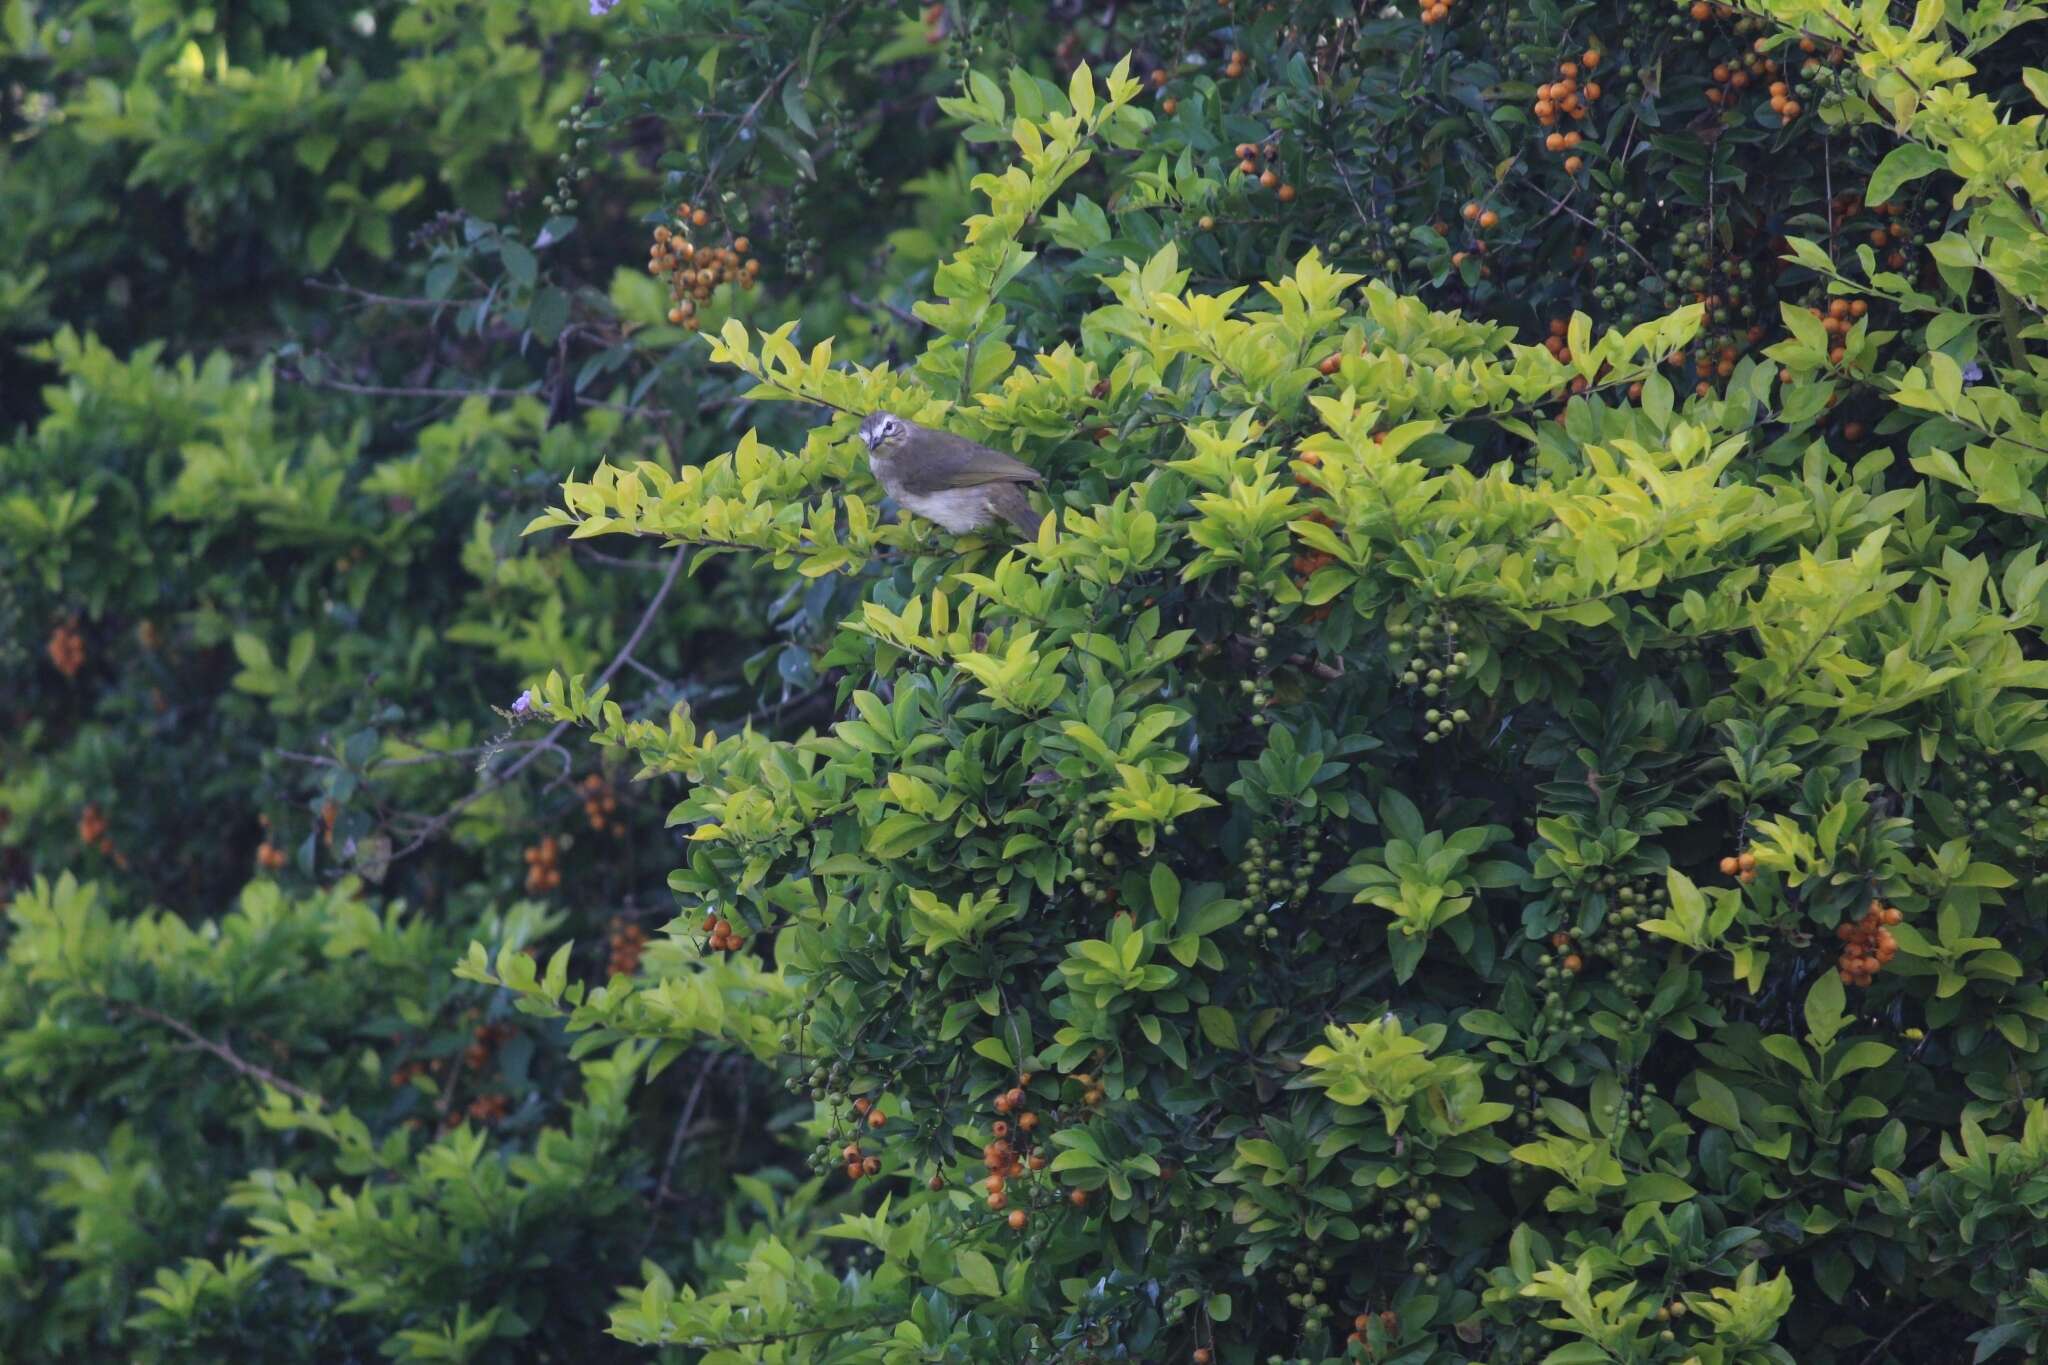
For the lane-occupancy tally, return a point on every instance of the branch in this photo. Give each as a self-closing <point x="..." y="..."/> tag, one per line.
<point x="907" y="318"/>
<point x="427" y="391"/>
<point x="1877" y="1352"/>
<point x="221" y="1050"/>
<point x="547" y="742"/>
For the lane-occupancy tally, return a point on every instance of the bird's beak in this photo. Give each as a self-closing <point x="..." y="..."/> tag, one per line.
<point x="867" y="435"/>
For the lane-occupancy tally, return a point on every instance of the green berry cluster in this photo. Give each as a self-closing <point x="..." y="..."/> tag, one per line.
<point x="1427" y="661"/>
<point x="1262" y="626"/>
<point x="569" y="166"/>
<point x="1095" y="864"/>
<point x="1279" y="871"/>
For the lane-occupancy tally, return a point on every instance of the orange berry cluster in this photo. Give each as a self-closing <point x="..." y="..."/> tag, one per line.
<point x="489" y="1108"/>
<point x="1741" y="866"/>
<point x="935" y="25"/>
<point x="67" y="648"/>
<point x="92" y="832"/>
<point x="600" y="803"/>
<point x="542" y="872"/>
<point x="483" y="1044"/>
<point x="1867" y="944"/>
<point x="1167" y="104"/>
<point x="859" y="1163"/>
<point x="1390" y="1322"/>
<point x="1555" y="342"/>
<point x="269" y="856"/>
<point x="1894" y="234"/>
<point x="1485" y="219"/>
<point x="694" y="271"/>
<point x="1728" y="81"/>
<point x="724" y="939"/>
<point x="870" y="1110"/>
<point x="1249" y="155"/>
<point x="1235" y="67"/>
<point x="1838" y="319"/>
<point x="1002" y="1157"/>
<point x="403" y="1074"/>
<point x="1569" y="959"/>
<point x="1567" y="98"/>
<point x="628" y="941"/>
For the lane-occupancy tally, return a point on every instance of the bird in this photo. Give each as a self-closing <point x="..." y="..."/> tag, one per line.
<point x="960" y="484"/>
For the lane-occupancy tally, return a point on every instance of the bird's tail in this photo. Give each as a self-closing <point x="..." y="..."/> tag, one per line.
<point x="1009" y="501"/>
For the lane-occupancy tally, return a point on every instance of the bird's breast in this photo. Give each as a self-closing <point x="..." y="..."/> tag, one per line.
<point x="957" y="509"/>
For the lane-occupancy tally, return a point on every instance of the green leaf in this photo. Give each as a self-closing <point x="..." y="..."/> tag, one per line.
<point x="519" y="262"/>
<point x="1901" y="166"/>
<point x="1824" y="1009"/>
<point x="1219" y="1026"/>
<point x="979" y="1273"/>
<point x="1716" y="1103"/>
<point x="1653" y="1187"/>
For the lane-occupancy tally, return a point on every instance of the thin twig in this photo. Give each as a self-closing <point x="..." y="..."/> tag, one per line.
<point x="221" y="1050"/>
<point x="675" y="1142"/>
<point x="447" y="817"/>
<point x="1559" y="205"/>
<point x="904" y="316"/>
<point x="1877" y="1352"/>
<point x="428" y="391"/>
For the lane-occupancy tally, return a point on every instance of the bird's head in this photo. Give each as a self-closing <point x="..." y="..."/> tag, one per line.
<point x="884" y="433"/>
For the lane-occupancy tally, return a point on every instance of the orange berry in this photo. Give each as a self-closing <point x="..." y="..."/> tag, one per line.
<point x="1573" y="165"/>
<point x="1018" y="1218"/>
<point x="1729" y="867"/>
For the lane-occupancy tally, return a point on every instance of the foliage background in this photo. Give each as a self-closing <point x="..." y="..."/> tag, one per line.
<point x="1351" y="886"/>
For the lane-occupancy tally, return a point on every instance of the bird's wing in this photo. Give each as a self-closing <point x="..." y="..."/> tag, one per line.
<point x="945" y="461"/>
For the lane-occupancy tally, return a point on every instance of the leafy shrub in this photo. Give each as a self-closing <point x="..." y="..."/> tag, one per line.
<point x="1445" y="849"/>
<point x="1599" y="815"/>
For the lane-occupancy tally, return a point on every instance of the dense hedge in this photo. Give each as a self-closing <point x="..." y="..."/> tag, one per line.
<point x="1502" y="821"/>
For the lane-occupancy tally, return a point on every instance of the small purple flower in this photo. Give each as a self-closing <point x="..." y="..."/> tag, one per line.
<point x="524" y="705"/>
<point x="600" y="8"/>
<point x="1972" y="372"/>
